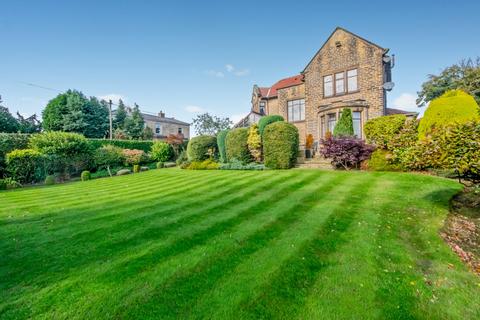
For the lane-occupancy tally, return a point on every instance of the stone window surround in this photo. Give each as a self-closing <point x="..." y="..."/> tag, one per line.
<point x="324" y="111"/>
<point x="304" y="110"/>
<point x="345" y="82"/>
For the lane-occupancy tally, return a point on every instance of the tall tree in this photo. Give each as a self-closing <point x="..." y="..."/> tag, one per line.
<point x="120" y="116"/>
<point x="28" y="125"/>
<point x="7" y="122"/>
<point x="464" y="76"/>
<point x="206" y="124"/>
<point x="135" y="124"/>
<point x="73" y="112"/>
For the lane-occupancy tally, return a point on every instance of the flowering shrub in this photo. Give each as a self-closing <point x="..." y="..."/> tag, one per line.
<point x="134" y="156"/>
<point x="346" y="153"/>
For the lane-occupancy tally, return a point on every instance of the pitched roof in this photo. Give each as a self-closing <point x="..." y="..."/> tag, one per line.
<point x="349" y="32"/>
<point x="284" y="83"/>
<point x="156" y="118"/>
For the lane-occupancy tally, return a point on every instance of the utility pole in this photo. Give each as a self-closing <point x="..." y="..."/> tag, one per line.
<point x="110" y="118"/>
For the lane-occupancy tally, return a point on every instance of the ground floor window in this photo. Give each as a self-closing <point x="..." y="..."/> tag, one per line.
<point x="296" y="110"/>
<point x="357" y="123"/>
<point x="331" y="121"/>
<point x="180" y="130"/>
<point x="158" y="128"/>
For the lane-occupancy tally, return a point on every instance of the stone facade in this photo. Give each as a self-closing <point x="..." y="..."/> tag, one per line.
<point x="358" y="69"/>
<point x="163" y="126"/>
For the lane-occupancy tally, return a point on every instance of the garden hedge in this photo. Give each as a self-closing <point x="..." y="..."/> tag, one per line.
<point x="280" y="145"/>
<point x="379" y="131"/>
<point x="10" y="142"/>
<point x="201" y="148"/>
<point x="26" y="165"/>
<point x="452" y="107"/>
<point x="144" y="145"/>
<point x="265" y="121"/>
<point x="221" y="136"/>
<point x="236" y="144"/>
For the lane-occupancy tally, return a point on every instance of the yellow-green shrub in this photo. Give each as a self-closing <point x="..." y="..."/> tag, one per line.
<point x="453" y="107"/>
<point x="379" y="131"/>
<point x="254" y="142"/>
<point x="236" y="145"/>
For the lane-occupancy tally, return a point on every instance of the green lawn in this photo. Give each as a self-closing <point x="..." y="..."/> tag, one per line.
<point x="172" y="243"/>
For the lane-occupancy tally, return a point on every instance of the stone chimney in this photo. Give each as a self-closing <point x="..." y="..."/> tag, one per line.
<point x="161" y="114"/>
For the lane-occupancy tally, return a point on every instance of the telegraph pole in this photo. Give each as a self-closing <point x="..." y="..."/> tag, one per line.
<point x="110" y="118"/>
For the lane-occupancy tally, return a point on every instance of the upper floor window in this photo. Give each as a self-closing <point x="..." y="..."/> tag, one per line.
<point x="180" y="130"/>
<point x="296" y="110"/>
<point x="262" y="107"/>
<point x="352" y="81"/>
<point x="340" y="83"/>
<point x="328" y="86"/>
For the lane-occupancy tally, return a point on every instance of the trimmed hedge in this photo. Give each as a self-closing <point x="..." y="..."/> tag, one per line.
<point x="25" y="166"/>
<point x="10" y="142"/>
<point x="380" y="131"/>
<point x="221" y="137"/>
<point x="144" y="145"/>
<point x="280" y="145"/>
<point x="201" y="148"/>
<point x="380" y="161"/>
<point x="453" y="107"/>
<point x="265" y="121"/>
<point x="236" y="144"/>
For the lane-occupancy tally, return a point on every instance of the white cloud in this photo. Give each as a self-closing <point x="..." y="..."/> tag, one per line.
<point x="194" y="109"/>
<point x="239" y="73"/>
<point x="216" y="74"/>
<point x="406" y="101"/>
<point x="114" y="97"/>
<point x="237" y="117"/>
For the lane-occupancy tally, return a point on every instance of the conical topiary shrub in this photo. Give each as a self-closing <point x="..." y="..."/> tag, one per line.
<point x="344" y="127"/>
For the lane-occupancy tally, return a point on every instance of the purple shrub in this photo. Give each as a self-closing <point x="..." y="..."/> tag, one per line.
<point x="346" y="152"/>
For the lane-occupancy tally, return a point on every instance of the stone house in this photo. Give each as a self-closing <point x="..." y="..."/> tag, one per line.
<point x="348" y="71"/>
<point x="163" y="126"/>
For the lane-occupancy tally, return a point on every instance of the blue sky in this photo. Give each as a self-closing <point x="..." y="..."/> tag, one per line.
<point x="186" y="57"/>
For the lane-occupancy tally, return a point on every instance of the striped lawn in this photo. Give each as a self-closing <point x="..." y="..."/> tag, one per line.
<point x="297" y="244"/>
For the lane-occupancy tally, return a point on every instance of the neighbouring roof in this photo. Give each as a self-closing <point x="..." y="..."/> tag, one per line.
<point x="391" y="111"/>
<point x="284" y="83"/>
<point x="156" y="118"/>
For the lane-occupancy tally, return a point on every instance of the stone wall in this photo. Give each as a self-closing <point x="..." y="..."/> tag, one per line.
<point x="285" y="95"/>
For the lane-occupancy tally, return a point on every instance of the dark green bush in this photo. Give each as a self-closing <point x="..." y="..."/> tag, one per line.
<point x="86" y="175"/>
<point x="49" y="180"/>
<point x="265" y="121"/>
<point x="201" y="148"/>
<point x="221" y="137"/>
<point x="280" y="145"/>
<point x="25" y="166"/>
<point x="239" y="165"/>
<point x="162" y="151"/>
<point x="236" y="145"/>
<point x="453" y="107"/>
<point x="182" y="157"/>
<point x="144" y="145"/>
<point x="379" y="131"/>
<point x="380" y="161"/>
<point x="344" y="126"/>
<point x="10" y="142"/>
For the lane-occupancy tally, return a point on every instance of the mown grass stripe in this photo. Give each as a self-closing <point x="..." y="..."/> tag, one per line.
<point x="175" y="298"/>
<point x="287" y="290"/>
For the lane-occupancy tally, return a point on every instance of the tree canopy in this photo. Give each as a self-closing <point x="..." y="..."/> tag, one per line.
<point x="206" y="124"/>
<point x="71" y="111"/>
<point x="134" y="124"/>
<point x="8" y="123"/>
<point x="464" y="75"/>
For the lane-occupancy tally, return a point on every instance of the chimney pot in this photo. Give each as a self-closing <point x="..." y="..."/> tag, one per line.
<point x="161" y="114"/>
